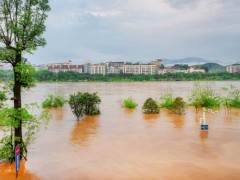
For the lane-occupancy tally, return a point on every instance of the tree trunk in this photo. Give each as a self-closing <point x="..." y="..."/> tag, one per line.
<point x="17" y="101"/>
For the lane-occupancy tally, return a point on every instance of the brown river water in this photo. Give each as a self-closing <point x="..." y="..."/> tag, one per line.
<point x="126" y="144"/>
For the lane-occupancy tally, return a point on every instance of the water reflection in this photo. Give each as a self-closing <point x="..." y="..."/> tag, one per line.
<point x="197" y="118"/>
<point x="151" y="119"/>
<point x="128" y="111"/>
<point x="84" y="130"/>
<point x="203" y="135"/>
<point x="57" y="113"/>
<point x="177" y="120"/>
<point x="7" y="172"/>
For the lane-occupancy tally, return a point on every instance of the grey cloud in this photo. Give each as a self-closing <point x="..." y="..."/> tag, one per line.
<point x="82" y="29"/>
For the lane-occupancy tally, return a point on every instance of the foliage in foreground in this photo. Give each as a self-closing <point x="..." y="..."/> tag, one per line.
<point x="129" y="103"/>
<point x="84" y="103"/>
<point x="3" y="98"/>
<point x="22" y="26"/>
<point x="10" y="118"/>
<point x="54" y="101"/>
<point x="150" y="107"/>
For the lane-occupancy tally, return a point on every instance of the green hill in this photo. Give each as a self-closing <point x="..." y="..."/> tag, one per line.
<point x="212" y="67"/>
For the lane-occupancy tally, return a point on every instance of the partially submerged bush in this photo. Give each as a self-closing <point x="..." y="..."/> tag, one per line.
<point x="84" y="103"/>
<point x="178" y="106"/>
<point x="150" y="107"/>
<point x="175" y="105"/>
<point x="129" y="103"/>
<point x="54" y="101"/>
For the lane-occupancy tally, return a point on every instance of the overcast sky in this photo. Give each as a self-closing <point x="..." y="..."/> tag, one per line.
<point x="140" y="30"/>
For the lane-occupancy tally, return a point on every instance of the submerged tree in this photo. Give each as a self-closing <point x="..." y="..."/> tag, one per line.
<point x="84" y="103"/>
<point x="21" y="29"/>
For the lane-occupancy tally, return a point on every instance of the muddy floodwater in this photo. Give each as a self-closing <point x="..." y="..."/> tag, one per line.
<point x="126" y="144"/>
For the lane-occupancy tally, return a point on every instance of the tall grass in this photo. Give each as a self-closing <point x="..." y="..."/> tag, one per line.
<point x="54" y="101"/>
<point x="129" y="103"/>
<point x="167" y="101"/>
<point x="231" y="97"/>
<point x="203" y="95"/>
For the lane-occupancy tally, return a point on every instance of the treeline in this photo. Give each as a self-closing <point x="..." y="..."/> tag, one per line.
<point x="74" y="76"/>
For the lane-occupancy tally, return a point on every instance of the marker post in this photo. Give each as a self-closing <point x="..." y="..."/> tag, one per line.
<point x="17" y="159"/>
<point x="204" y="125"/>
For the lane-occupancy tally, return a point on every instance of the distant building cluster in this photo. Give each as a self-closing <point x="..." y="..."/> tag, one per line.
<point x="154" y="67"/>
<point x="234" y="68"/>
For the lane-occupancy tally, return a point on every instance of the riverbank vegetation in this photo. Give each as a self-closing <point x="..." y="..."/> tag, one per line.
<point x="74" y="76"/>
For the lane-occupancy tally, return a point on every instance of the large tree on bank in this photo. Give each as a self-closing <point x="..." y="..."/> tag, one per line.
<point x="21" y="29"/>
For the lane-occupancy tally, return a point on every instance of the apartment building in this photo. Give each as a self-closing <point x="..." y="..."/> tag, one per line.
<point x="234" y="68"/>
<point x="131" y="69"/>
<point x="140" y="69"/>
<point x="148" y="69"/>
<point x="98" y="69"/>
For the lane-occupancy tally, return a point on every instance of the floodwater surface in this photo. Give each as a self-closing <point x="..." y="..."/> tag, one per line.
<point x="126" y="144"/>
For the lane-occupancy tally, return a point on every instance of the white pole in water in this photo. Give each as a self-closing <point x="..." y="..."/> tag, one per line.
<point x="204" y="116"/>
<point x="204" y="125"/>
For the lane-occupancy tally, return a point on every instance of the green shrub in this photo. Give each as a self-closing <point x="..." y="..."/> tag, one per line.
<point x="84" y="103"/>
<point x="54" y="101"/>
<point x="150" y="107"/>
<point x="175" y="105"/>
<point x="167" y="101"/>
<point x="178" y="106"/>
<point x="129" y="103"/>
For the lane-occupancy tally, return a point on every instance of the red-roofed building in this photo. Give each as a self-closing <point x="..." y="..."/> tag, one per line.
<point x="67" y="66"/>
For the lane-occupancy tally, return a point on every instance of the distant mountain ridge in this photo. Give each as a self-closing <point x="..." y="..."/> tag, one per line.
<point x="194" y="61"/>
